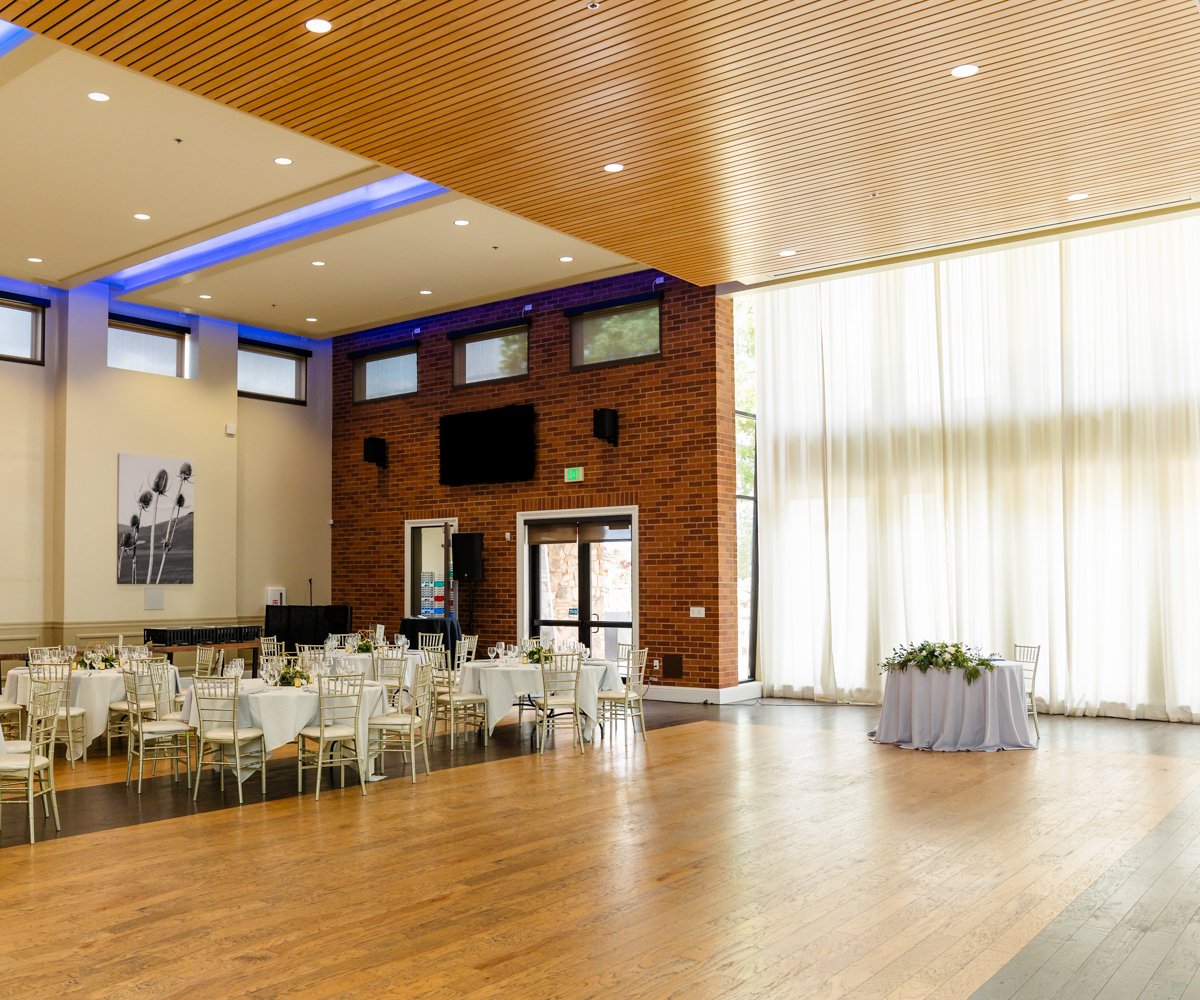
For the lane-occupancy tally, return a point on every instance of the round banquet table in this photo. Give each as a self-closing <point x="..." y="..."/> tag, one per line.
<point x="936" y="710"/>
<point x="281" y="712"/>
<point x="91" y="690"/>
<point x="364" y="663"/>
<point x="503" y="681"/>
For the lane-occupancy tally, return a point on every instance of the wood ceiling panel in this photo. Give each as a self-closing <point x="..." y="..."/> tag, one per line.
<point x="745" y="127"/>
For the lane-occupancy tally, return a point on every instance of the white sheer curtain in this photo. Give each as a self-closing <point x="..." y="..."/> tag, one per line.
<point x="998" y="448"/>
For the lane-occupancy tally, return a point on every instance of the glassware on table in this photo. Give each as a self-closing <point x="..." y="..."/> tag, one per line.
<point x="492" y="651"/>
<point x="235" y="668"/>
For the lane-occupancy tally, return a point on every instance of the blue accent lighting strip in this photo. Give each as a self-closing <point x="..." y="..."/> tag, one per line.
<point x="11" y="36"/>
<point x="371" y="199"/>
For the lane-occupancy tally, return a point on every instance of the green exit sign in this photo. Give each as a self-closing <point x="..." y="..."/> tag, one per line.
<point x="573" y="474"/>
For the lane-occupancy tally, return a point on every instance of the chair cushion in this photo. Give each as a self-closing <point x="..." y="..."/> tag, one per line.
<point x="555" y="701"/>
<point x="165" y="727"/>
<point x="174" y="717"/>
<point x="225" y="735"/>
<point x="17" y="746"/>
<point x="9" y="706"/>
<point x="331" y="732"/>
<point x="460" y="697"/>
<point x="617" y="695"/>
<point x="122" y="707"/>
<point x="73" y="711"/>
<point x="395" y="720"/>
<point x="20" y="762"/>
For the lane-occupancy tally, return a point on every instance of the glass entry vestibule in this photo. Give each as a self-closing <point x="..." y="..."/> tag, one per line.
<point x="581" y="581"/>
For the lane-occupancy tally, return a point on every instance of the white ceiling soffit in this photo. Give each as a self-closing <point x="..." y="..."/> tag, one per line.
<point x="374" y="271"/>
<point x="75" y="171"/>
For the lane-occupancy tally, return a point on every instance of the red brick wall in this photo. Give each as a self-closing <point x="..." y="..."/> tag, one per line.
<point x="675" y="461"/>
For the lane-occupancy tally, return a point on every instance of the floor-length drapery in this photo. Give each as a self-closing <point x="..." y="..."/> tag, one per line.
<point x="997" y="447"/>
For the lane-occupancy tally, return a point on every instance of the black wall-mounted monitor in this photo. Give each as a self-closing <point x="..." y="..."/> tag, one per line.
<point x="488" y="446"/>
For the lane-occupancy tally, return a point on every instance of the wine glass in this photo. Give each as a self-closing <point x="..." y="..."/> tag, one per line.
<point x="491" y="652"/>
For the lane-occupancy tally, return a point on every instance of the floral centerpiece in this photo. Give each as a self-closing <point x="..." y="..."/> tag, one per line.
<point x="292" y="676"/>
<point x="540" y="655"/>
<point x="95" y="659"/>
<point x="944" y="656"/>
<point x="365" y="646"/>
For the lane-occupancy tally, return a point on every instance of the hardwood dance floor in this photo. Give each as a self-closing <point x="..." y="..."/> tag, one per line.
<point x="742" y="852"/>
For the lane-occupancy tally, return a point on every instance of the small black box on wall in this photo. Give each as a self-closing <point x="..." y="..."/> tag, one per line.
<point x="672" y="665"/>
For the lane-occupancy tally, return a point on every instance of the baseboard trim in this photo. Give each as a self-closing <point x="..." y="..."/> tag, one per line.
<point x="749" y="691"/>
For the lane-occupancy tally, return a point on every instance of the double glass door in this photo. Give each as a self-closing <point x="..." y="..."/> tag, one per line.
<point x="581" y="582"/>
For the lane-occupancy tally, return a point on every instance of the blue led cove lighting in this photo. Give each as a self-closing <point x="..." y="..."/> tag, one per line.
<point x="11" y="36"/>
<point x="371" y="199"/>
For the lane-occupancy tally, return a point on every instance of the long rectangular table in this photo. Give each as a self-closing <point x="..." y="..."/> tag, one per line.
<point x="936" y="710"/>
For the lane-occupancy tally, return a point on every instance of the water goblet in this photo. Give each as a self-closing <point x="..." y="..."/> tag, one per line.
<point x="491" y="651"/>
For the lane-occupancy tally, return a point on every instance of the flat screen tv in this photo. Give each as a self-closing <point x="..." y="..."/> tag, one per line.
<point x="488" y="446"/>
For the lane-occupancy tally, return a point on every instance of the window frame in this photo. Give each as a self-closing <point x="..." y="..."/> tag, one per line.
<point x="37" y="335"/>
<point x="297" y="354"/>
<point x="477" y="335"/>
<point x="578" y="315"/>
<point x="151" y="328"/>
<point x="359" y="360"/>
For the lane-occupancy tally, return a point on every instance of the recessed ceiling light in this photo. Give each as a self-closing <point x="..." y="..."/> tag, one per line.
<point x="462" y="222"/>
<point x="614" y="168"/>
<point x="965" y="70"/>
<point x="318" y="263"/>
<point x="566" y="260"/>
<point x="426" y="291"/>
<point x="141" y="216"/>
<point x="1077" y="196"/>
<point x="283" y="161"/>
<point x="206" y="296"/>
<point x="310" y="319"/>
<point x="317" y="25"/>
<point x="787" y="253"/>
<point x="98" y="97"/>
<point x="34" y="260"/>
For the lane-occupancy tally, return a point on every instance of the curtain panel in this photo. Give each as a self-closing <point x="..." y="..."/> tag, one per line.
<point x="995" y="448"/>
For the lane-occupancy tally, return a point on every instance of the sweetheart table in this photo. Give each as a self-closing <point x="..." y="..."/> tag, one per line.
<point x="936" y="710"/>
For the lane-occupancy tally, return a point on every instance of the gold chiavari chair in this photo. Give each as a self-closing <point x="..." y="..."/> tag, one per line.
<point x="431" y="640"/>
<point x="152" y="736"/>
<point x="1028" y="657"/>
<point x="335" y="736"/>
<point x="405" y="730"/>
<point x="26" y="777"/>
<point x="269" y="645"/>
<point x="219" y="734"/>
<point x="626" y="703"/>
<point x="453" y="705"/>
<point x="464" y="649"/>
<point x="559" y="700"/>
<point x="72" y="728"/>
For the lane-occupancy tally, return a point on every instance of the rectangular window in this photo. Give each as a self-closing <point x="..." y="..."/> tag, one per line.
<point x="380" y="376"/>
<point x="20" y="331"/>
<point x="624" y="333"/>
<point x="149" y="349"/>
<point x="268" y="372"/>
<point x="492" y="356"/>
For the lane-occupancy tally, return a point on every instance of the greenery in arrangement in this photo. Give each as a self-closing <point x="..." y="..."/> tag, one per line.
<point x="365" y="646"/>
<point x="944" y="656"/>
<point x="540" y="655"/>
<point x="90" y="659"/>
<point x="290" y="674"/>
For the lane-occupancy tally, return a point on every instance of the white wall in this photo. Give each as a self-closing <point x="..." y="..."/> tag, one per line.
<point x="262" y="496"/>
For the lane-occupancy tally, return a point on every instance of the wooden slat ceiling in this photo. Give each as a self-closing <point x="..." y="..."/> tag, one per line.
<point x="831" y="127"/>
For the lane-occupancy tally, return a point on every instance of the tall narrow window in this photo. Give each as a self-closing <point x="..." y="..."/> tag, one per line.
<point x="21" y="331"/>
<point x="745" y="420"/>
<point x="152" y="348"/>
<point x="269" y="372"/>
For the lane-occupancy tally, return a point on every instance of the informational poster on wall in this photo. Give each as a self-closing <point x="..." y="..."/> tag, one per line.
<point x="155" y="520"/>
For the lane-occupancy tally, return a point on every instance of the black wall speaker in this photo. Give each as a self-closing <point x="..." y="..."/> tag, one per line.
<point x="467" y="550"/>
<point x="375" y="451"/>
<point x="604" y="425"/>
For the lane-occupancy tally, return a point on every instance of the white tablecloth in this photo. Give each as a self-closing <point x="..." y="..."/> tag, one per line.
<point x="363" y="663"/>
<point x="281" y="712"/>
<point x="940" y="711"/>
<point x="91" y="690"/>
<point x="503" y="681"/>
